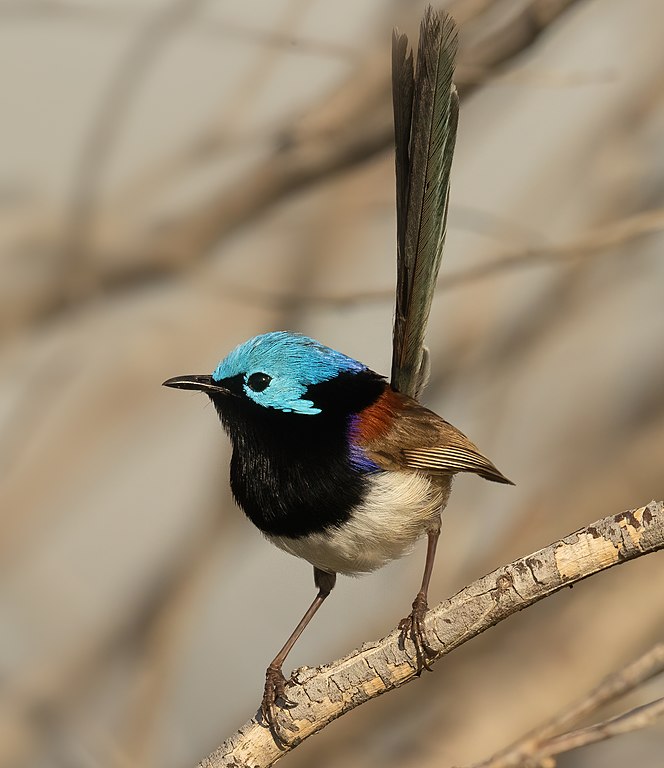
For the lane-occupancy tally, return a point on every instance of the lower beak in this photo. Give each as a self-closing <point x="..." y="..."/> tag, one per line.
<point x="200" y="383"/>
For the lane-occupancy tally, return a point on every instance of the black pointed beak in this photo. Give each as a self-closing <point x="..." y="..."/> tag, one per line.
<point x="200" y="383"/>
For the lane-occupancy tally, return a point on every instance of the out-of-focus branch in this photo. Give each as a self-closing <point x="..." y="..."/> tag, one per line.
<point x="345" y="129"/>
<point x="634" y="720"/>
<point x="328" y="692"/>
<point x="132" y="13"/>
<point x="600" y="239"/>
<point x="542" y="743"/>
<point x="96" y="150"/>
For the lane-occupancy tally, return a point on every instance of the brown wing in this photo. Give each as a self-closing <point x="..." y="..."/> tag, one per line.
<point x="398" y="433"/>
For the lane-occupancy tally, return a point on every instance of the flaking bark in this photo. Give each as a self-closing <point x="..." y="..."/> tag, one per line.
<point x="327" y="692"/>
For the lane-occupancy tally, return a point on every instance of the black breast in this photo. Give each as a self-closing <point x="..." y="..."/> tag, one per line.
<point x="291" y="473"/>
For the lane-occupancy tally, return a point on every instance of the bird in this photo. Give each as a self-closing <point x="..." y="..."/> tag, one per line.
<point x="332" y="462"/>
<point x="334" y="466"/>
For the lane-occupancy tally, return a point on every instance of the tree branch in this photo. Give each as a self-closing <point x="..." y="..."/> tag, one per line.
<point x="346" y="128"/>
<point x="328" y="692"/>
<point x="599" y="240"/>
<point x="543" y="742"/>
<point x="635" y="719"/>
<point x="327" y="141"/>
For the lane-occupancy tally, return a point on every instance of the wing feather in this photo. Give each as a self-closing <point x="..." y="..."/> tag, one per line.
<point x="398" y="433"/>
<point x="450" y="458"/>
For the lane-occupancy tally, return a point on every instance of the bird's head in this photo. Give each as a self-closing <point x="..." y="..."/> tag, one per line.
<point x="286" y="373"/>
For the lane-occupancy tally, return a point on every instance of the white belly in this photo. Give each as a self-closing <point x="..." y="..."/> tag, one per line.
<point x="400" y="508"/>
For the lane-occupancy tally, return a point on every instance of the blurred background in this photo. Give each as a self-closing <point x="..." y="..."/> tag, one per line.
<point x="176" y="177"/>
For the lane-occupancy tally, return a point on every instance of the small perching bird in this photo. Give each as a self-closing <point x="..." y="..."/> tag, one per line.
<point x="330" y="462"/>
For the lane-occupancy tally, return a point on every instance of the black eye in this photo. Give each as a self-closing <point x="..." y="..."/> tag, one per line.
<point x="259" y="381"/>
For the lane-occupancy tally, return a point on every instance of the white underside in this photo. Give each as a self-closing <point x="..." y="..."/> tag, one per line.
<point x="399" y="509"/>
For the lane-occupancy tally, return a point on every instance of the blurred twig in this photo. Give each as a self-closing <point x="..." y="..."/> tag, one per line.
<point x="327" y="140"/>
<point x="227" y="127"/>
<point x="132" y="13"/>
<point x="52" y="690"/>
<point x="99" y="144"/>
<point x="344" y="129"/>
<point x="542" y="742"/>
<point x="635" y="719"/>
<point x="323" y="694"/>
<point x="597" y="240"/>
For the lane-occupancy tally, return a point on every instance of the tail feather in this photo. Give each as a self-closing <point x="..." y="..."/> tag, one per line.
<point x="425" y="117"/>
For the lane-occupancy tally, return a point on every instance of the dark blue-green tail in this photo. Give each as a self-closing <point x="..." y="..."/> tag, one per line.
<point x="426" y="110"/>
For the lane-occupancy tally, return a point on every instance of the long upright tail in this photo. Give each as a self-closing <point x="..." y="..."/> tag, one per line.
<point x="426" y="111"/>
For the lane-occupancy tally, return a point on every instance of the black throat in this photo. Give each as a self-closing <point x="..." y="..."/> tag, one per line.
<point x="292" y="473"/>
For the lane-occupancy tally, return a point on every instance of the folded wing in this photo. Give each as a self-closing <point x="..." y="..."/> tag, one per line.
<point x="398" y="433"/>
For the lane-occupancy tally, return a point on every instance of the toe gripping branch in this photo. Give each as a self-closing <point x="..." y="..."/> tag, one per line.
<point x="413" y="625"/>
<point x="274" y="694"/>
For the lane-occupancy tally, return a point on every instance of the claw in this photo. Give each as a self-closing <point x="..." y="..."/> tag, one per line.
<point x="413" y="627"/>
<point x="274" y="699"/>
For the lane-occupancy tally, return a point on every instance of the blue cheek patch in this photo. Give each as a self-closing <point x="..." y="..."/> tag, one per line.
<point x="287" y="399"/>
<point x="294" y="363"/>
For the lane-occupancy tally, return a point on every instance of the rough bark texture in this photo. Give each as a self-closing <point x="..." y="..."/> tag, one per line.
<point x="328" y="692"/>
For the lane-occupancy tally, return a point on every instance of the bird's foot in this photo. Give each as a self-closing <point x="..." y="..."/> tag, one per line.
<point x="413" y="627"/>
<point x="274" y="699"/>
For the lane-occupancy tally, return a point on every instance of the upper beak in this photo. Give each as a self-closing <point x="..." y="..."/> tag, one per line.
<point x="200" y="383"/>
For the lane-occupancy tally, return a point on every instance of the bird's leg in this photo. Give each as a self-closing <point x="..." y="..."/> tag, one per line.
<point x="275" y="682"/>
<point x="413" y="625"/>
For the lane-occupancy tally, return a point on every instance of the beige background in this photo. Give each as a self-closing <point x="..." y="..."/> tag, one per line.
<point x="138" y="608"/>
